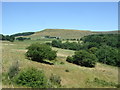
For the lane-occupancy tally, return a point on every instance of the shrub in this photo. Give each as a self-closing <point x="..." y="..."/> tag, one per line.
<point x="38" y="52"/>
<point x="31" y="78"/>
<point x="10" y="38"/>
<point x="70" y="59"/>
<point x="56" y="43"/>
<point x="62" y="63"/>
<point x="67" y="70"/>
<point x="108" y="55"/>
<point x="83" y="58"/>
<point x="103" y="82"/>
<point x="22" y="38"/>
<point x="13" y="70"/>
<point x="55" y="80"/>
<point x="93" y="50"/>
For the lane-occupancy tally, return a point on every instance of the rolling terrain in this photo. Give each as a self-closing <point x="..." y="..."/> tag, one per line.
<point x="101" y="76"/>
<point x="77" y="77"/>
<point x="65" y="33"/>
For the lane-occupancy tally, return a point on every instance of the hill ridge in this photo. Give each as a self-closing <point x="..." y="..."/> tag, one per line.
<point x="65" y="33"/>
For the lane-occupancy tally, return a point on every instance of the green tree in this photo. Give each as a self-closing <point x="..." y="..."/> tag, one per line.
<point x="70" y="59"/>
<point x="83" y="58"/>
<point x="39" y="52"/>
<point x="93" y="50"/>
<point x="56" y="43"/>
<point x="107" y="55"/>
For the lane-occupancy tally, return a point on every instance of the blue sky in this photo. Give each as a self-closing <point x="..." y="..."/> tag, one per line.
<point x="35" y="16"/>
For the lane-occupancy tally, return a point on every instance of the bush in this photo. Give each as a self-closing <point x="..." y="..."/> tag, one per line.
<point x="93" y="50"/>
<point x="67" y="70"/>
<point x="13" y="70"/>
<point x="56" y="43"/>
<point x="70" y="59"/>
<point x="22" y="38"/>
<point x="10" y="38"/>
<point x="55" y="80"/>
<point x="108" y="55"/>
<point x="31" y="78"/>
<point x="38" y="52"/>
<point x="62" y="63"/>
<point x="83" y="58"/>
<point x="103" y="82"/>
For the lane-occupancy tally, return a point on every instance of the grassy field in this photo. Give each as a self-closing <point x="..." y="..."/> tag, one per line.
<point x="77" y="77"/>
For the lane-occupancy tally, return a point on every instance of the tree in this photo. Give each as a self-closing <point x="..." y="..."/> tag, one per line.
<point x="39" y="52"/>
<point x="93" y="50"/>
<point x="22" y="39"/>
<point x="23" y="34"/>
<point x="83" y="58"/>
<point x="56" y="43"/>
<point x="107" y="55"/>
<point x="10" y="38"/>
<point x="70" y="59"/>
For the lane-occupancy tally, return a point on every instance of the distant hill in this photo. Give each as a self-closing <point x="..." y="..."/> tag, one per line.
<point x="64" y="33"/>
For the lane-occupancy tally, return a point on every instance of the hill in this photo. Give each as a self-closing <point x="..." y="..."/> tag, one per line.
<point x="61" y="33"/>
<point x="65" y="33"/>
<point x="102" y="76"/>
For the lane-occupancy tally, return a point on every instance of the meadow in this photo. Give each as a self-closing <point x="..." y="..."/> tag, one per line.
<point x="101" y="76"/>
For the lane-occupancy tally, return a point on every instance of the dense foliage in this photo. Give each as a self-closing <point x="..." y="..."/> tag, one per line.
<point x="66" y="45"/>
<point x="83" y="58"/>
<point x="103" y="39"/>
<point x="31" y="78"/>
<point x="39" y="52"/>
<point x="10" y="38"/>
<point x="23" y="34"/>
<point x="108" y="55"/>
<point x="104" y="46"/>
<point x="22" y="38"/>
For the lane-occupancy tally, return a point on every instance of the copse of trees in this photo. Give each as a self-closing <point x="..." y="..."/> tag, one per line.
<point x="108" y="55"/>
<point x="101" y="39"/>
<point x="39" y="52"/>
<point x="23" y="34"/>
<point x="104" y="46"/>
<point x="56" y="43"/>
<point x="73" y="45"/>
<point x="83" y="58"/>
<point x="66" y="45"/>
<point x="22" y="38"/>
<point x="10" y="38"/>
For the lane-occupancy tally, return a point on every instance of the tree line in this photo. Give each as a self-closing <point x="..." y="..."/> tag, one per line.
<point x="23" y="34"/>
<point x="11" y="38"/>
<point x="101" y="47"/>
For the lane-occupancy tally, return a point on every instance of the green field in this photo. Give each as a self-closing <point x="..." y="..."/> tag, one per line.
<point x="77" y="77"/>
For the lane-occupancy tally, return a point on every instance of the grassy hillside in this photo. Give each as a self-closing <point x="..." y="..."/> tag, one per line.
<point x="77" y="77"/>
<point x="64" y="33"/>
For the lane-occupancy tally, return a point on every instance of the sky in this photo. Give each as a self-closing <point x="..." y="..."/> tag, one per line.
<point x="20" y="17"/>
